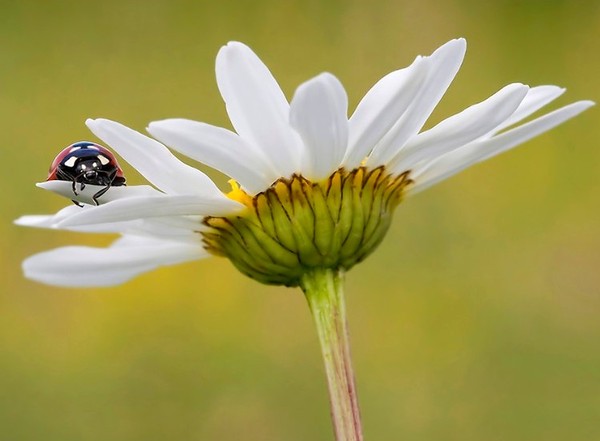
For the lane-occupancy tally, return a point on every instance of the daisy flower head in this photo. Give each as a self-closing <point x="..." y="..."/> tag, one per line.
<point x="311" y="188"/>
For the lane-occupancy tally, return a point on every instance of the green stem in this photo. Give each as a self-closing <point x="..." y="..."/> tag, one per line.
<point x="323" y="290"/>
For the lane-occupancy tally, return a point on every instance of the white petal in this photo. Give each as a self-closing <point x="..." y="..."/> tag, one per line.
<point x="219" y="148"/>
<point x="158" y="227"/>
<point x="65" y="188"/>
<point x="318" y="113"/>
<point x="444" y="64"/>
<point x="153" y="160"/>
<point x="78" y="266"/>
<point x="460" y="129"/>
<point x="536" y="98"/>
<point x="47" y="221"/>
<point x="179" y="228"/>
<point x="35" y="220"/>
<point x="257" y="107"/>
<point x="458" y="160"/>
<point x="153" y="206"/>
<point x="381" y="107"/>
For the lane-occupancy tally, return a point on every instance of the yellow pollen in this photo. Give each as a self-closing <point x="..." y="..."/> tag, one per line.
<point x="239" y="195"/>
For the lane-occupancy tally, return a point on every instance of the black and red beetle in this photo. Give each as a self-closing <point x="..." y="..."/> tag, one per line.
<point x="87" y="163"/>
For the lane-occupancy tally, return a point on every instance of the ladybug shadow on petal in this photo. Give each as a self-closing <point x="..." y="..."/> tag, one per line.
<point x="87" y="163"/>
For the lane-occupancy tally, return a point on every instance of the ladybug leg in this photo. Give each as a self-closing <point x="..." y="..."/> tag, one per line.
<point x="81" y="186"/>
<point x="74" y="181"/>
<point x="100" y="193"/>
<point x="79" y="204"/>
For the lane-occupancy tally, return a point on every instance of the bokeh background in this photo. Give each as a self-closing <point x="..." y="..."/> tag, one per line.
<point x="477" y="319"/>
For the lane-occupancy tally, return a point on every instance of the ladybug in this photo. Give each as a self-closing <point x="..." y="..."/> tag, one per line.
<point x="87" y="163"/>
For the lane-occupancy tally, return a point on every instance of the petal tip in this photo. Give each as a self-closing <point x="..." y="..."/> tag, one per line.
<point x="451" y="50"/>
<point x="457" y="43"/>
<point x="21" y="221"/>
<point x="96" y="124"/>
<point x="153" y="126"/>
<point x="90" y="122"/>
<point x="326" y="79"/>
<point x="232" y="47"/>
<point x="583" y="105"/>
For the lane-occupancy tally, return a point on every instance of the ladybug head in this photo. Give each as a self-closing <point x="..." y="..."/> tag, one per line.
<point x="90" y="171"/>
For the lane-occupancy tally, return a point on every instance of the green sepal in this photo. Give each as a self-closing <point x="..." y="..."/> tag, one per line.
<point x="297" y="226"/>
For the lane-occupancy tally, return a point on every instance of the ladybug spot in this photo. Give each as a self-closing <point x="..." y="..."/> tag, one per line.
<point x="70" y="162"/>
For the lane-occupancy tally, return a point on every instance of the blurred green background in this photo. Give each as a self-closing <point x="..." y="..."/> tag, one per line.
<point x="477" y="319"/>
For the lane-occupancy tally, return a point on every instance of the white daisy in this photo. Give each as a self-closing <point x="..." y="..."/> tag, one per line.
<point x="316" y="188"/>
